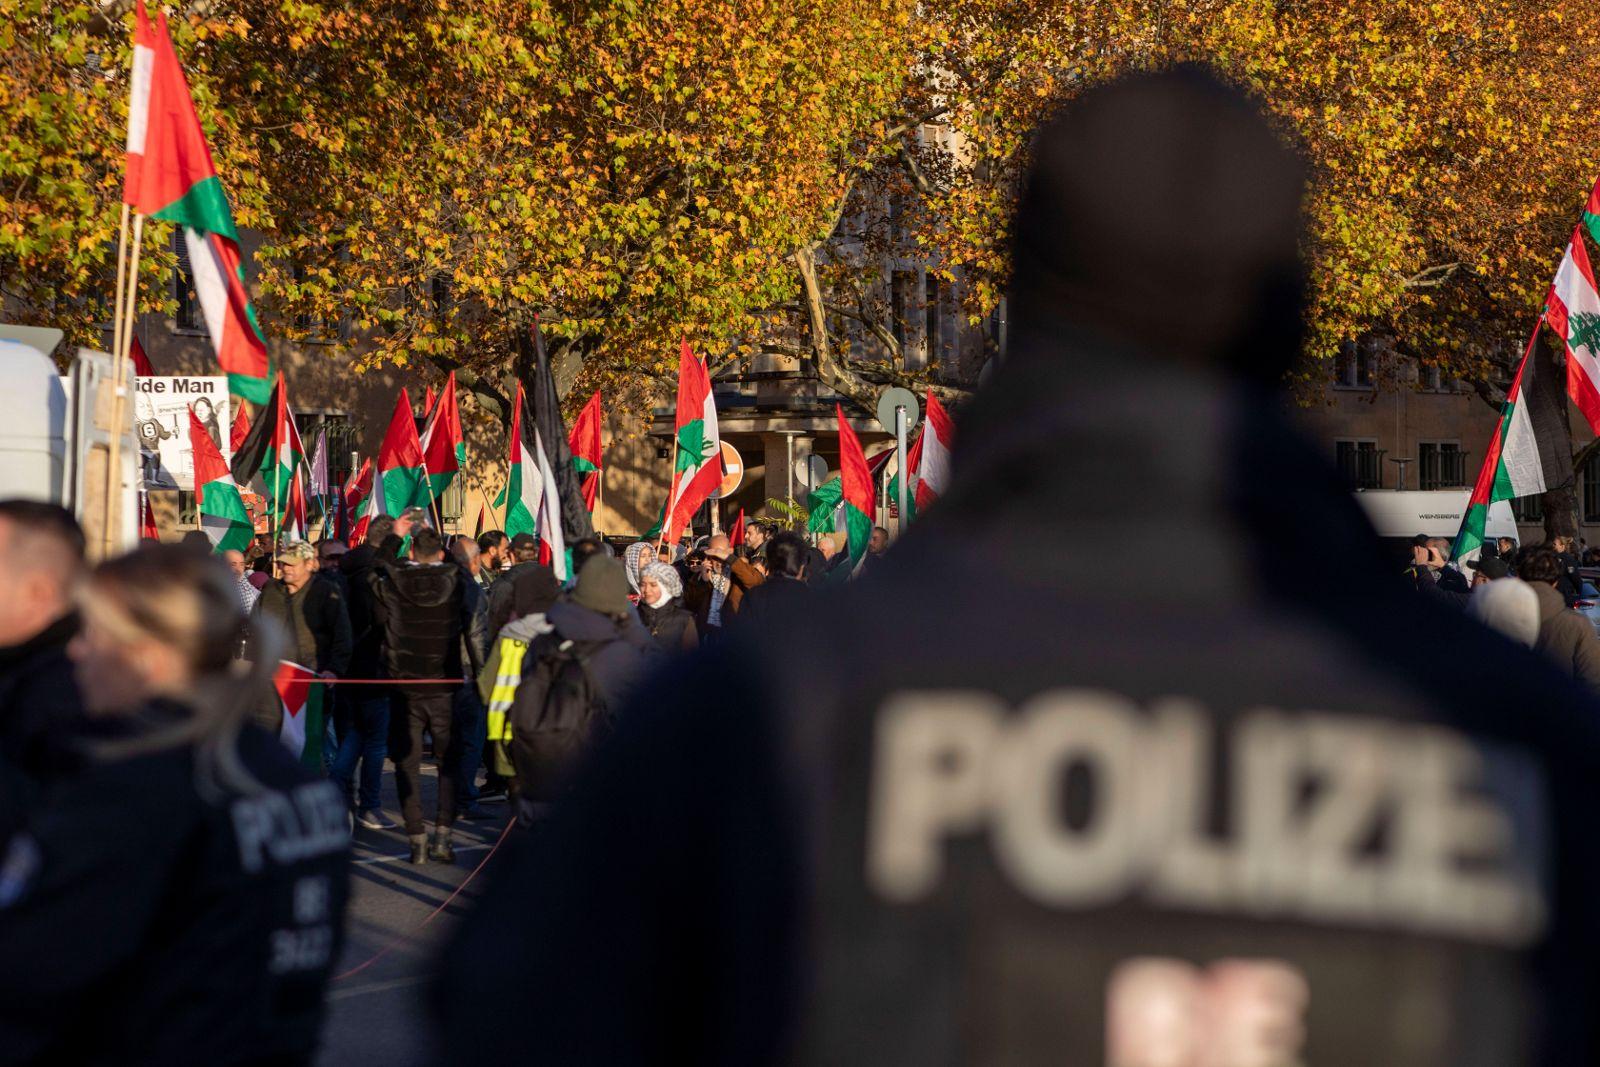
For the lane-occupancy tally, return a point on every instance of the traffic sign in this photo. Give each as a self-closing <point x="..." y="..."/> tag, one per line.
<point x="732" y="472"/>
<point x="810" y="472"/>
<point x="896" y="397"/>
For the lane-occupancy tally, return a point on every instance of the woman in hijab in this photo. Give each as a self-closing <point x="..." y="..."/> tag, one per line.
<point x="634" y="558"/>
<point x="661" y="609"/>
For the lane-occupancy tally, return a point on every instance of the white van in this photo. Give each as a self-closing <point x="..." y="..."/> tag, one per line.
<point x="1399" y="515"/>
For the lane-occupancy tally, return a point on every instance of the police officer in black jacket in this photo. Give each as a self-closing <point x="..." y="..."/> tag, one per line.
<point x="994" y="805"/>
<point x="179" y="899"/>
<point x="41" y="551"/>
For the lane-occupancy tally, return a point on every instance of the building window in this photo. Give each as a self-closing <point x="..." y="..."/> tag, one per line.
<point x="1361" y="463"/>
<point x="1433" y="380"/>
<point x="901" y="287"/>
<point x="1442" y="465"/>
<point x="1591" y="488"/>
<point x="1528" y="508"/>
<point x="1352" y="369"/>
<point x="188" y="315"/>
<point x="318" y="329"/>
<point x="932" y="317"/>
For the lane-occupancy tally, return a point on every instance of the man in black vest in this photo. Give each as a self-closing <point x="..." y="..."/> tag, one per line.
<point x="994" y="805"/>
<point x="423" y="613"/>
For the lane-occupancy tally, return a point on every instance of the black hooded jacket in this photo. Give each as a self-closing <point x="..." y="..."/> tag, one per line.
<point x="40" y="707"/>
<point x="423" y="613"/>
<point x="1003" y="805"/>
<point x="152" y="915"/>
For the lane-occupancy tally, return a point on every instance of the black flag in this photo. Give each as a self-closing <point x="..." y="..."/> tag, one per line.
<point x="575" y="522"/>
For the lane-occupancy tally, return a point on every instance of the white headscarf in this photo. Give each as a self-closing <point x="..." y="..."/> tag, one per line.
<point x="667" y="578"/>
<point x="633" y="559"/>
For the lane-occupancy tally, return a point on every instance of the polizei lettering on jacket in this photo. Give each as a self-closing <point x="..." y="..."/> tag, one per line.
<point x="1335" y="819"/>
<point x="284" y="828"/>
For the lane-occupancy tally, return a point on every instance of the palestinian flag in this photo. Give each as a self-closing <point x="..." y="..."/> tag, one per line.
<point x="443" y="450"/>
<point x="175" y="180"/>
<point x="822" y="504"/>
<point x="1529" y="452"/>
<point x="532" y="506"/>
<point x="271" y="451"/>
<point x="222" y="512"/>
<point x="856" y="490"/>
<point x="148" y="530"/>
<point x="551" y="430"/>
<point x="736" y="531"/>
<point x="1573" y="312"/>
<point x="240" y="427"/>
<point x="585" y="444"/>
<point x="698" y="470"/>
<point x="303" y="695"/>
<point x="296" y="526"/>
<point x="358" y="502"/>
<point x="931" y="465"/>
<point x="141" y="361"/>
<point x="400" y="482"/>
<point x="483" y="515"/>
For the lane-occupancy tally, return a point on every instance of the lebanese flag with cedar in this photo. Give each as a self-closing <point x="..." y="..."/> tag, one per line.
<point x="176" y="181"/>
<point x="1573" y="312"/>
<point x="584" y="441"/>
<point x="856" y="484"/>
<point x="698" y="470"/>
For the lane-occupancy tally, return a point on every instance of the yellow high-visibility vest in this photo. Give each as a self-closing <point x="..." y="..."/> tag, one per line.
<point x="507" y="676"/>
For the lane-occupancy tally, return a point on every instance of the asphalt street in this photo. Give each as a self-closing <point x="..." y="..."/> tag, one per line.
<point x="376" y="1014"/>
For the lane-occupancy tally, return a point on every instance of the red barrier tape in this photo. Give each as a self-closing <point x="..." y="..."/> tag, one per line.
<point x="392" y="681"/>
<point x="403" y="938"/>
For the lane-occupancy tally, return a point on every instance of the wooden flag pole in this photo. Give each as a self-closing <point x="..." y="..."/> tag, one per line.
<point x="118" y="388"/>
<point x="122" y="278"/>
<point x="672" y="490"/>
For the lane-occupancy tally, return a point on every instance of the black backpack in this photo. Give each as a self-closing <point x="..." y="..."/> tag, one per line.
<point x="557" y="713"/>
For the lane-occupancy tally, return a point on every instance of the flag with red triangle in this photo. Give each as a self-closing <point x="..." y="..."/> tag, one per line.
<point x="175" y="180"/>
<point x="856" y="485"/>
<point x="533" y="504"/>
<point x="698" y="469"/>
<point x="443" y="449"/>
<point x="302" y="693"/>
<point x="399" y="483"/>
<point x="141" y="361"/>
<point x="223" y="516"/>
<point x="240" y="426"/>
<point x="358" y="502"/>
<point x="271" y="452"/>
<point x="483" y="515"/>
<point x="585" y="444"/>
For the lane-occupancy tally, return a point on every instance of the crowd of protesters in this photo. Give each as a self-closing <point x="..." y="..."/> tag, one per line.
<point x="1011" y="800"/>
<point x="1532" y="594"/>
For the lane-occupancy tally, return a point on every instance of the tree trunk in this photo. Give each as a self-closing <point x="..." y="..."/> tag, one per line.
<point x="1561" y="512"/>
<point x="806" y="260"/>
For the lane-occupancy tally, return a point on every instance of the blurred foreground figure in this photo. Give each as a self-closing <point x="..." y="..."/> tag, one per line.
<point x="180" y="898"/>
<point x="998" y="805"/>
